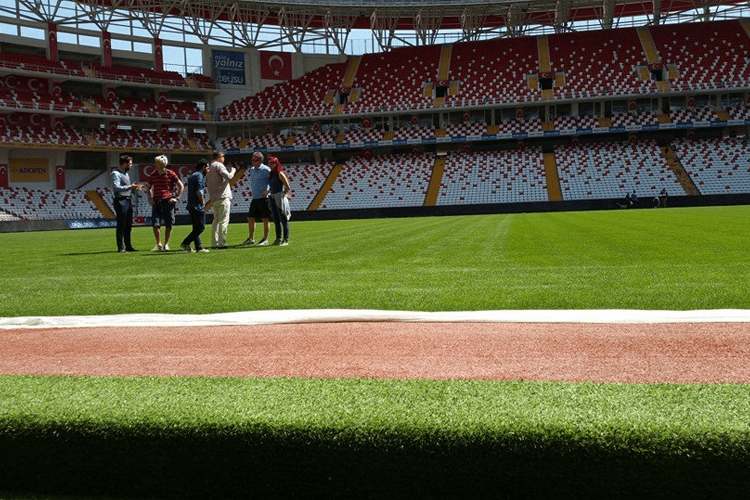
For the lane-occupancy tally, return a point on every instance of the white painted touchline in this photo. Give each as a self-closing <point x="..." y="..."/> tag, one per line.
<point x="364" y="315"/>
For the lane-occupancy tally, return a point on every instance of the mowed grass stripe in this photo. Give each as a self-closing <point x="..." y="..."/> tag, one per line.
<point x="675" y="259"/>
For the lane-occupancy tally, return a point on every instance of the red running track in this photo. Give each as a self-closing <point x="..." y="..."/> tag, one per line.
<point x="629" y="353"/>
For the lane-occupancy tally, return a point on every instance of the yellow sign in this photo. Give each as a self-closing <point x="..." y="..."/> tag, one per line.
<point x="29" y="169"/>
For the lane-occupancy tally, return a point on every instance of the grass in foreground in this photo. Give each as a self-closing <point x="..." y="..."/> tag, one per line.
<point x="234" y="438"/>
<point x="231" y="438"/>
<point x="676" y="259"/>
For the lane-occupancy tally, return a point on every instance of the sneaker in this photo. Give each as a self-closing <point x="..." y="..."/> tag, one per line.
<point x="277" y="242"/>
<point x="166" y="248"/>
<point x="186" y="248"/>
<point x="203" y="250"/>
<point x="284" y="243"/>
<point x="248" y="242"/>
<point x="157" y="248"/>
<point x="263" y="242"/>
<point x="122" y="250"/>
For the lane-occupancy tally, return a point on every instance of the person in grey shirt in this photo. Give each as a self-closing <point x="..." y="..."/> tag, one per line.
<point x="260" y="205"/>
<point x="123" y="203"/>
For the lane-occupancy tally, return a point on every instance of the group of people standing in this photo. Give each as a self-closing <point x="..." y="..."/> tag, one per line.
<point x="208" y="188"/>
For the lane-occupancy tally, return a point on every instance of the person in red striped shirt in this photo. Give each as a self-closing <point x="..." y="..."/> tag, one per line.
<point x="162" y="198"/>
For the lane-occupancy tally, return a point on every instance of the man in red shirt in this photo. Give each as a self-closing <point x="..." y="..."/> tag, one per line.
<point x="162" y="198"/>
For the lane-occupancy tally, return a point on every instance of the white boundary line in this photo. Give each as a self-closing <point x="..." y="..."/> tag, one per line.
<point x="364" y="315"/>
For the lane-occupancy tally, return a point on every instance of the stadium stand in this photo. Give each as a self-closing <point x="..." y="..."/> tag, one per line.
<point x="708" y="58"/>
<point x="716" y="166"/>
<point x="305" y="96"/>
<point x="318" y="138"/>
<point x="610" y="170"/>
<point x="737" y="112"/>
<point x="306" y="180"/>
<point x="395" y="81"/>
<point x="40" y="64"/>
<point x="382" y="181"/>
<point x="599" y="64"/>
<point x="364" y="135"/>
<point x="148" y="108"/>
<point x="511" y="176"/>
<point x="34" y="204"/>
<point x="415" y="132"/>
<point x="693" y="115"/>
<point x="623" y="119"/>
<point x="466" y="129"/>
<point x="404" y="91"/>
<point x="493" y="71"/>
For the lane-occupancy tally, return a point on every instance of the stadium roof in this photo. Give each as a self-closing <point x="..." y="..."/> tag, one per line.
<point x="326" y="25"/>
<point x="427" y="19"/>
<point x="415" y="15"/>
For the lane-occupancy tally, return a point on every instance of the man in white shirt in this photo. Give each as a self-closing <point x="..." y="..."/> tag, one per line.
<point x="220" y="195"/>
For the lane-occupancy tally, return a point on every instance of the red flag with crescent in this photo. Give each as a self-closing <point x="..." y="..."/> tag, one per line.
<point x="275" y="65"/>
<point x="4" y="175"/>
<point x="107" y="49"/>
<point x="52" y="37"/>
<point x="60" y="177"/>
<point x="158" y="55"/>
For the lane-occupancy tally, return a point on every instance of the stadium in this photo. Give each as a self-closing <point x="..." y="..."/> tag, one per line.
<point x="534" y="340"/>
<point x="452" y="109"/>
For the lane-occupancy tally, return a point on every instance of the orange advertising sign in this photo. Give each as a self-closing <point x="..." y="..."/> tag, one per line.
<point x="29" y="170"/>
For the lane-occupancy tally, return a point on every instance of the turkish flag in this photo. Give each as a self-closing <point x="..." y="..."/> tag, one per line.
<point x="4" y="176"/>
<point x="60" y="177"/>
<point x="275" y="65"/>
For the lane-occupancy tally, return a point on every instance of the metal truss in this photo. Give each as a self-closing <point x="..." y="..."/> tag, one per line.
<point x="326" y="26"/>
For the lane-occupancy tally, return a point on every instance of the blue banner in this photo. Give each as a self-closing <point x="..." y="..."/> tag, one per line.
<point x="229" y="67"/>
<point x="90" y="223"/>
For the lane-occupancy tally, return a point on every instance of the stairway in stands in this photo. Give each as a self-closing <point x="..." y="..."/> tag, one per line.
<point x="325" y="188"/>
<point x="100" y="204"/>
<point x="444" y="69"/>
<point x="433" y="190"/>
<point x="553" y="181"/>
<point x="652" y="57"/>
<point x="685" y="181"/>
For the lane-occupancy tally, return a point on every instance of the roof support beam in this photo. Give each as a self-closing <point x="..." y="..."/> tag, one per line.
<point x="562" y="15"/>
<point x="608" y="11"/>
<point x="515" y="20"/>
<point x="384" y="29"/>
<point x="427" y="26"/>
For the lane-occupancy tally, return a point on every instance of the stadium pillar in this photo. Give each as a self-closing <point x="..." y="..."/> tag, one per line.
<point x="52" y="45"/>
<point x="158" y="55"/>
<point x="107" y="49"/>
